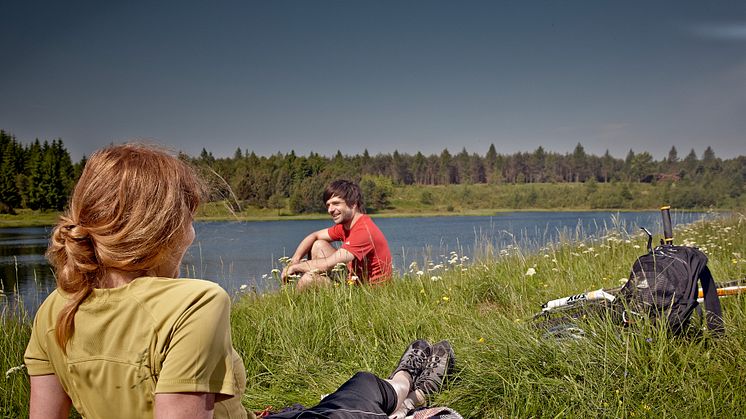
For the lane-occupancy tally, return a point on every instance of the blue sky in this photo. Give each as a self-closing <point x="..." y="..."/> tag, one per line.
<point x="411" y="76"/>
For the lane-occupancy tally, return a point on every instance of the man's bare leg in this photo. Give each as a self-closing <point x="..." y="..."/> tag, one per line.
<point x="321" y="249"/>
<point x="311" y="280"/>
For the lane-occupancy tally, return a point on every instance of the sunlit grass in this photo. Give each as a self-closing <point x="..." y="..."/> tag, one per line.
<point x="297" y="347"/>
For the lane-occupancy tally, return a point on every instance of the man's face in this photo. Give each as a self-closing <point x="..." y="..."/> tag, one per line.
<point x="339" y="210"/>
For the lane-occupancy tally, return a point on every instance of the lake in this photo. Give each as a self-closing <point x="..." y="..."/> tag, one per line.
<point x="234" y="254"/>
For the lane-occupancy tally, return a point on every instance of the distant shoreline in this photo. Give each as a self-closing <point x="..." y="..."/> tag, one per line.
<point x="48" y="219"/>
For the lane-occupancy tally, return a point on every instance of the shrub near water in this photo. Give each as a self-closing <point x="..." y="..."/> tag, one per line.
<point x="298" y="347"/>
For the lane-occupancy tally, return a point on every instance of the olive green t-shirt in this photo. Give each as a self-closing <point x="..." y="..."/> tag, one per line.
<point x="153" y="335"/>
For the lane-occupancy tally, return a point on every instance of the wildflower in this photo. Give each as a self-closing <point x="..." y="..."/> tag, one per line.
<point x="243" y="287"/>
<point x="422" y="290"/>
<point x="419" y="273"/>
<point x="435" y="278"/>
<point x="480" y="340"/>
<point x="637" y="246"/>
<point x="264" y="276"/>
<point x="445" y="298"/>
<point x="531" y="272"/>
<point x="14" y="370"/>
<point x="275" y="271"/>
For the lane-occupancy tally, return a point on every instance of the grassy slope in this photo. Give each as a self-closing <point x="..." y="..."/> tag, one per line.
<point x="297" y="347"/>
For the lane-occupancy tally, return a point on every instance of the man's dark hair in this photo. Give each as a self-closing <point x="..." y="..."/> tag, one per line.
<point x="349" y="191"/>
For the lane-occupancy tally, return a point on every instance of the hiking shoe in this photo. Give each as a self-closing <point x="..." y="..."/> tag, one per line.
<point x="413" y="359"/>
<point x="439" y="364"/>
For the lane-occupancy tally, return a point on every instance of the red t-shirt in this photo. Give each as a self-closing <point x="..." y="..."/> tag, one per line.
<point x="372" y="263"/>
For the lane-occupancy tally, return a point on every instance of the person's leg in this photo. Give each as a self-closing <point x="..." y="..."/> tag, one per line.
<point x="312" y="279"/>
<point x="364" y="396"/>
<point x="322" y="249"/>
<point x="367" y="396"/>
<point x="319" y="250"/>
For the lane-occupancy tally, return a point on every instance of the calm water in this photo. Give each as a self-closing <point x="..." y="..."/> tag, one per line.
<point x="244" y="253"/>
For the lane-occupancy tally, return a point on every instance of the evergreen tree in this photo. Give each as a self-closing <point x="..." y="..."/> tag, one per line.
<point x="579" y="164"/>
<point x="11" y="165"/>
<point x="673" y="156"/>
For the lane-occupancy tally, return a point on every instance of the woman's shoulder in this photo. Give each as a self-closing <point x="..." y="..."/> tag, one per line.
<point x="181" y="288"/>
<point x="51" y="306"/>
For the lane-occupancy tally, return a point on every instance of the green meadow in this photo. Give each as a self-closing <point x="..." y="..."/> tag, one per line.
<point x="297" y="347"/>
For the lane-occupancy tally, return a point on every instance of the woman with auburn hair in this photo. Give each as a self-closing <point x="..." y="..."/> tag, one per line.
<point x="120" y="336"/>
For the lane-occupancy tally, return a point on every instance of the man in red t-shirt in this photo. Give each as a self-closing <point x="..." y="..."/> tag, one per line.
<point x="364" y="248"/>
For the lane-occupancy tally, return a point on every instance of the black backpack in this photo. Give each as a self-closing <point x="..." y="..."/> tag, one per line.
<point x="663" y="284"/>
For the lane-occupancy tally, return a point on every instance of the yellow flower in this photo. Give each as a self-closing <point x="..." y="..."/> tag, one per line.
<point x="445" y="298"/>
<point x="481" y="340"/>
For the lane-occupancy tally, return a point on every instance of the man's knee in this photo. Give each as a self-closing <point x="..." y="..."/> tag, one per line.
<point x="321" y="249"/>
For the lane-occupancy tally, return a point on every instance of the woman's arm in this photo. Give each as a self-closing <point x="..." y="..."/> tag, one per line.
<point x="48" y="398"/>
<point x="184" y="405"/>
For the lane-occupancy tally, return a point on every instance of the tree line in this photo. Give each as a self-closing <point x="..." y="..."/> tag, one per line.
<point x="38" y="176"/>
<point x="272" y="181"/>
<point x="41" y="175"/>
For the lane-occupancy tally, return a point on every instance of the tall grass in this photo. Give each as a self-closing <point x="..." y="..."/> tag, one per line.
<point x="297" y="347"/>
<point x="14" y="383"/>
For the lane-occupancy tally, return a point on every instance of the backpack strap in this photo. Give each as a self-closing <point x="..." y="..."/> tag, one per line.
<point x="713" y="312"/>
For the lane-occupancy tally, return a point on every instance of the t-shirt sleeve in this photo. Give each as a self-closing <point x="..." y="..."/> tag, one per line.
<point x="336" y="232"/>
<point x="199" y="354"/>
<point x="36" y="356"/>
<point x="359" y="242"/>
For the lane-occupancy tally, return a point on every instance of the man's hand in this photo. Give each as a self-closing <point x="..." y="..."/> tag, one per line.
<point x="290" y="269"/>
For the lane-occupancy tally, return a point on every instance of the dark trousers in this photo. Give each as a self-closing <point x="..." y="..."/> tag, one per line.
<point x="362" y="396"/>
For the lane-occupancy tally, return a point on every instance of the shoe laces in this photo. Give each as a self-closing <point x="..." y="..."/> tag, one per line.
<point x="416" y="359"/>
